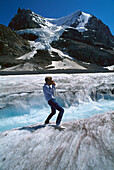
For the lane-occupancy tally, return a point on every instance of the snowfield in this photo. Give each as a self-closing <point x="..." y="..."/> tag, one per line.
<point x="71" y="19"/>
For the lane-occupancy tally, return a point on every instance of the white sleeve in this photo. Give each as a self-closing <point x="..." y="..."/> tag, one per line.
<point x="49" y="90"/>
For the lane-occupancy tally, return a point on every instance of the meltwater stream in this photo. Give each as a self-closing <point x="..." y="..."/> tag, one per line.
<point x="82" y="95"/>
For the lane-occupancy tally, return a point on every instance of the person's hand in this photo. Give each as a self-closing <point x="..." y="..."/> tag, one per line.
<point x="53" y="83"/>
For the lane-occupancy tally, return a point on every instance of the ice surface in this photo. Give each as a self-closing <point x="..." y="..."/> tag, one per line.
<point x="84" y="145"/>
<point x="45" y="35"/>
<point x="82" y="95"/>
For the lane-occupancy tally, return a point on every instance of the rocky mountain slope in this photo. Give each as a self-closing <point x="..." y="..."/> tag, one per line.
<point x="11" y="46"/>
<point x="81" y="39"/>
<point x="83" y="49"/>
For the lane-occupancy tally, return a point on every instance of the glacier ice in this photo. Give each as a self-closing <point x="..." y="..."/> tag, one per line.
<point x="86" y="144"/>
<point x="82" y="95"/>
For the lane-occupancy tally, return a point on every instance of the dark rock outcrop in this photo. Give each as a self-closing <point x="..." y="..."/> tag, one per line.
<point x="96" y="30"/>
<point x="87" y="50"/>
<point x="43" y="58"/>
<point x="24" y="19"/>
<point x="73" y="34"/>
<point x="96" y="25"/>
<point x="29" y="36"/>
<point x="11" y="46"/>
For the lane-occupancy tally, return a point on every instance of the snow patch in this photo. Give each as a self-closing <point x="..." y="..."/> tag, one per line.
<point x="24" y="67"/>
<point x="110" y="67"/>
<point x="83" y="20"/>
<point x="64" y="64"/>
<point x="27" y="56"/>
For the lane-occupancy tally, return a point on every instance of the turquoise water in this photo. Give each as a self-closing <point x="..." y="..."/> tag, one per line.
<point x="22" y="101"/>
<point x="13" y="117"/>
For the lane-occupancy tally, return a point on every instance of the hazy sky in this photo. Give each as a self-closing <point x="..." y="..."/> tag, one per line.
<point x="102" y="9"/>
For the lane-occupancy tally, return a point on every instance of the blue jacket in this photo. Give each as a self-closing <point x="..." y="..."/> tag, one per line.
<point x="49" y="91"/>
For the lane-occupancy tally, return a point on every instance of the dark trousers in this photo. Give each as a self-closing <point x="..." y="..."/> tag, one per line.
<point x="55" y="106"/>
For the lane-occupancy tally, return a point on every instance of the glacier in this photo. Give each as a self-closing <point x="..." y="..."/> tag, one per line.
<point x="86" y="143"/>
<point x="82" y="95"/>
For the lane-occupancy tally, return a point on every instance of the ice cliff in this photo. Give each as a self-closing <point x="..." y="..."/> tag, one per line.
<point x="86" y="144"/>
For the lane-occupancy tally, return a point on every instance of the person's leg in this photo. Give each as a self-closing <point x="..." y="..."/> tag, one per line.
<point x="55" y="105"/>
<point x="60" y="115"/>
<point x="53" y="111"/>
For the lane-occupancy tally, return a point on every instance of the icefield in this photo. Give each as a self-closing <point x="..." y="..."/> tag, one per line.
<point x="82" y="95"/>
<point x="86" y="143"/>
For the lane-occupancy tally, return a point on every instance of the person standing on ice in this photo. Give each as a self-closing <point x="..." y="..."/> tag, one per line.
<point x="49" y="89"/>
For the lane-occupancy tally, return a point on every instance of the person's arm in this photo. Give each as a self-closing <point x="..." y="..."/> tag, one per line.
<point x="49" y="90"/>
<point x="53" y="87"/>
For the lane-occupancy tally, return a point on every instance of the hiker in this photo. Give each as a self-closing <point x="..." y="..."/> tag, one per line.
<point x="49" y="89"/>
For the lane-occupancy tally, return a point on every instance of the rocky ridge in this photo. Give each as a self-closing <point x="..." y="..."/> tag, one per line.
<point x="24" y="19"/>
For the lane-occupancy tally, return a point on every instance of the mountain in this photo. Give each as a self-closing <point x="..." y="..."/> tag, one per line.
<point x="12" y="45"/>
<point x="78" y="41"/>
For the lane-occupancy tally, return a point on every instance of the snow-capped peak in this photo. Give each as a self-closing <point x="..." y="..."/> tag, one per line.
<point x="38" y="19"/>
<point x="52" y="29"/>
<point x="78" y="20"/>
<point x="67" y="20"/>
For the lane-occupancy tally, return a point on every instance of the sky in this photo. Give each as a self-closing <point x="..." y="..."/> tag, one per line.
<point x="102" y="9"/>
